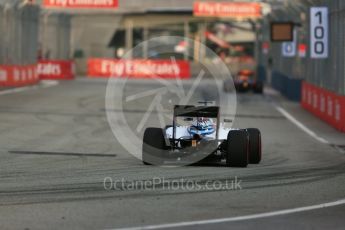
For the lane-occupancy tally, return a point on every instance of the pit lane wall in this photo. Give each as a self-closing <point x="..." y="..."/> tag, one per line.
<point x="17" y="75"/>
<point x="23" y="75"/>
<point x="325" y="104"/>
<point x="138" y="68"/>
<point x="56" y="70"/>
<point x="317" y="81"/>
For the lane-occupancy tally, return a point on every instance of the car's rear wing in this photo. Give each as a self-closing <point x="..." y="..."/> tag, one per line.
<point x="196" y="111"/>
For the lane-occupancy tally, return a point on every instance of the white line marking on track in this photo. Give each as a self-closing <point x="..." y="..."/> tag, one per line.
<point x="239" y="218"/>
<point x="49" y="83"/>
<point x="44" y="84"/>
<point x="301" y="126"/>
<point x="16" y="90"/>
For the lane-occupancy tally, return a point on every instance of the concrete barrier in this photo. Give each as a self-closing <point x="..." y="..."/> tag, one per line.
<point x="324" y="104"/>
<point x="18" y="75"/>
<point x="261" y="73"/>
<point x="56" y="70"/>
<point x="289" y="87"/>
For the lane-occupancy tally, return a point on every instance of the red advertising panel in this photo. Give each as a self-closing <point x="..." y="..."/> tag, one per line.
<point x="81" y="3"/>
<point x="325" y="104"/>
<point x="138" y="68"/>
<point x="13" y="76"/>
<point x="227" y="9"/>
<point x="55" y="70"/>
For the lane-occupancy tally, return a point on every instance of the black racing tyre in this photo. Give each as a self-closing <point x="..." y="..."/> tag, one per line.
<point x="237" y="149"/>
<point x="154" y="146"/>
<point x="259" y="88"/>
<point x="255" y="146"/>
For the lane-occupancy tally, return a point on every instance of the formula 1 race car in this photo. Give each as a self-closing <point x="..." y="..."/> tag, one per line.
<point x="245" y="81"/>
<point x="196" y="136"/>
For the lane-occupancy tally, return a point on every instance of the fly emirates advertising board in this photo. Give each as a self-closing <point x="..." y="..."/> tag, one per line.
<point x="81" y="4"/>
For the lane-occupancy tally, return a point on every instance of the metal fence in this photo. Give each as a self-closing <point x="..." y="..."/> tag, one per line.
<point x="19" y="33"/>
<point x="55" y="34"/>
<point x="327" y="73"/>
<point x="2" y="30"/>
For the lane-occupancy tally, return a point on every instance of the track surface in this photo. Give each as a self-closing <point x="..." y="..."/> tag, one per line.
<point x="57" y="148"/>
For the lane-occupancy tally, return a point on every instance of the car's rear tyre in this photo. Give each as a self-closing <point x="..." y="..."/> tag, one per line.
<point x="259" y="88"/>
<point x="237" y="149"/>
<point x="255" y="146"/>
<point x="154" y="146"/>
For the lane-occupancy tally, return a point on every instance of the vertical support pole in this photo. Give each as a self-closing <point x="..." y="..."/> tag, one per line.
<point x="71" y="38"/>
<point x="7" y="34"/>
<point x="197" y="48"/>
<point x="145" y="40"/>
<point x="186" y="38"/>
<point x="257" y="45"/>
<point x="129" y="37"/>
<point x="45" y="38"/>
<point x="203" y="40"/>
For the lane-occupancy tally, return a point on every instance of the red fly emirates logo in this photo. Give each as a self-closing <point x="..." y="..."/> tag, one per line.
<point x="49" y="69"/>
<point x="227" y="9"/>
<point x="139" y="68"/>
<point x="81" y="3"/>
<point x="55" y="69"/>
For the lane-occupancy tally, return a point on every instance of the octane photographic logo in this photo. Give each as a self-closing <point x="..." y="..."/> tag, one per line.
<point x="142" y="93"/>
<point x="161" y="183"/>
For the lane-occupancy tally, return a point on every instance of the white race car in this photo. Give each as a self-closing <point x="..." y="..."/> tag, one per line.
<point x="197" y="135"/>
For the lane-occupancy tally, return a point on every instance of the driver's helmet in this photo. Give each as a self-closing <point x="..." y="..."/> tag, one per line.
<point x="202" y="126"/>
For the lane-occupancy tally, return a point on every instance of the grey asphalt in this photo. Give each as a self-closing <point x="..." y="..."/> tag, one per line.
<point x="57" y="148"/>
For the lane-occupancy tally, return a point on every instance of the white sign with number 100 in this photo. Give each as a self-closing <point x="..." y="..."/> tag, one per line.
<point x="319" y="32"/>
